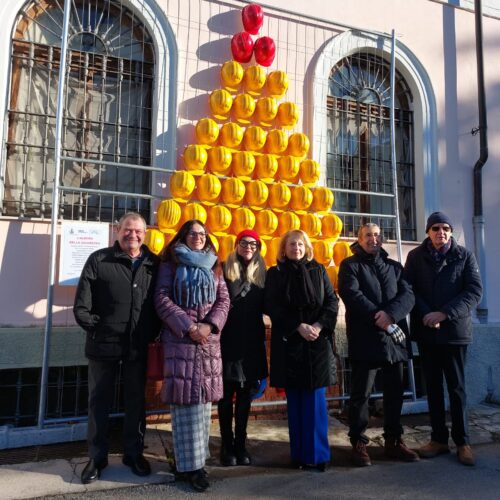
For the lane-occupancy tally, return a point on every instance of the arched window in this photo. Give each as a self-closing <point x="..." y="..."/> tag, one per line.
<point x="107" y="110"/>
<point x="359" y="146"/>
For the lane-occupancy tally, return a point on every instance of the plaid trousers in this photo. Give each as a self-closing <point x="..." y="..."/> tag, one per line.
<point x="190" y="432"/>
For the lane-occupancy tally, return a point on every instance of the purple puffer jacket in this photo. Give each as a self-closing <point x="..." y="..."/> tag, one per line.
<point x="192" y="372"/>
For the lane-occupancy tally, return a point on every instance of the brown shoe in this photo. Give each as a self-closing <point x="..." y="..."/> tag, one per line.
<point x="433" y="449"/>
<point x="359" y="455"/>
<point x="465" y="455"/>
<point x="396" y="449"/>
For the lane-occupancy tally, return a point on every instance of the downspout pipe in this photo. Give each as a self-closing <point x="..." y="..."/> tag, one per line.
<point x="478" y="218"/>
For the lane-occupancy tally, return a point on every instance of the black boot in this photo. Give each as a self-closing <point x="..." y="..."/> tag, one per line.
<point x="243" y="403"/>
<point x="225" y="410"/>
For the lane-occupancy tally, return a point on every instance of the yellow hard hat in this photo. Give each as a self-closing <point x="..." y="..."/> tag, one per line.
<point x="231" y="74"/>
<point x="254" y="79"/>
<point x="277" y="141"/>
<point x="279" y="195"/>
<point x="277" y="83"/>
<point x="182" y="185"/>
<point x="331" y="225"/>
<point x="231" y="135"/>
<point x="220" y="102"/>
<point x="256" y="193"/>
<point x="266" y="222"/>
<point x="207" y="131"/>
<point x="322" y="199"/>
<point x="309" y="172"/>
<point x="168" y="215"/>
<point x="265" y="110"/>
<point x="243" y="107"/>
<point x="288" y="114"/>
<point x="233" y="191"/>
<point x="323" y="251"/>
<point x="218" y="219"/>
<point x="219" y="160"/>
<point x="195" y="158"/>
<point x="288" y="168"/>
<point x="266" y="166"/>
<point x="208" y="188"/>
<point x="243" y="218"/>
<point x="154" y="240"/>
<point x="298" y="145"/>
<point x="311" y="224"/>
<point x="243" y="164"/>
<point x="301" y="198"/>
<point x="254" y="138"/>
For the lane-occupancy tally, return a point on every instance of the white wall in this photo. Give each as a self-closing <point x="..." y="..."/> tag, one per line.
<point x="440" y="37"/>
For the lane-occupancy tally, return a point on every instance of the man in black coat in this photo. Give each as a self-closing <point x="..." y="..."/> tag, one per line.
<point x="114" y="305"/>
<point x="447" y="286"/>
<point x="377" y="300"/>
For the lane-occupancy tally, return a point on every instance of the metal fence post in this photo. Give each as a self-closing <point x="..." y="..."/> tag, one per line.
<point x="55" y="216"/>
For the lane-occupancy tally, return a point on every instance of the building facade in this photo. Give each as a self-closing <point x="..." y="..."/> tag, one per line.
<point x="138" y="80"/>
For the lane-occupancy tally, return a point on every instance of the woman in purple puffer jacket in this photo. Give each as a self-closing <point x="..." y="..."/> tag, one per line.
<point x="192" y="301"/>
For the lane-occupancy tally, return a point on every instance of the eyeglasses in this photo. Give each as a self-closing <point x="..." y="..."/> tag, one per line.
<point x="446" y="229"/>
<point x="252" y="244"/>
<point x="194" y="234"/>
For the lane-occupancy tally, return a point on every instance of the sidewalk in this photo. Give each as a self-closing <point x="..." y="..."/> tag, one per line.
<point x="268" y="444"/>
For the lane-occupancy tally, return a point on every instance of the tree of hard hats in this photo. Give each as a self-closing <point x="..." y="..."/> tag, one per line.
<point x="249" y="169"/>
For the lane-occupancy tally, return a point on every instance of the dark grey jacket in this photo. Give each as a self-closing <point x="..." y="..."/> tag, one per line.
<point x="114" y="304"/>
<point x="368" y="284"/>
<point x="453" y="287"/>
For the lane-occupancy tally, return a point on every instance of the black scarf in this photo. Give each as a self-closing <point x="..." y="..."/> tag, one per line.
<point x="240" y="287"/>
<point x="299" y="288"/>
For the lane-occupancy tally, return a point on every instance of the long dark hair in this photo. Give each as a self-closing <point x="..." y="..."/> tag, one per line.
<point x="168" y="254"/>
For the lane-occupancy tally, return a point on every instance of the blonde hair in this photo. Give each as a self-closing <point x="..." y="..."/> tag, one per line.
<point x="301" y="234"/>
<point x="256" y="269"/>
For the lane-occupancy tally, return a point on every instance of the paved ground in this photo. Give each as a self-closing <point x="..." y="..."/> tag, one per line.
<point x="270" y="477"/>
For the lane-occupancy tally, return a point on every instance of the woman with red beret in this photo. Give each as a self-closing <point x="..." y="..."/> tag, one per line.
<point x="243" y="345"/>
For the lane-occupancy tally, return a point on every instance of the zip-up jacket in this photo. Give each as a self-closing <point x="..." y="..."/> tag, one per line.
<point x="368" y="284"/>
<point x="452" y="287"/>
<point x="114" y="304"/>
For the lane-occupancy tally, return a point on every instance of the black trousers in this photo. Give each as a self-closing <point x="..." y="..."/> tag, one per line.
<point x="241" y="412"/>
<point x="362" y="379"/>
<point x="101" y="379"/>
<point x="446" y="361"/>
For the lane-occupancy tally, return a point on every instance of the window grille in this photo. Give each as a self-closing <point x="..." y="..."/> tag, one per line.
<point x="359" y="146"/>
<point x="107" y="112"/>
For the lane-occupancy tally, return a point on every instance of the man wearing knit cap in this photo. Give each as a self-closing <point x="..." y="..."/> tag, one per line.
<point x="447" y="287"/>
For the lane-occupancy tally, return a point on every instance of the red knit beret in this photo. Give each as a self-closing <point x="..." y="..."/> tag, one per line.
<point x="250" y="233"/>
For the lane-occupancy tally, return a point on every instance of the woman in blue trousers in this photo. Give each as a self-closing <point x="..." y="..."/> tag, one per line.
<point x="302" y="305"/>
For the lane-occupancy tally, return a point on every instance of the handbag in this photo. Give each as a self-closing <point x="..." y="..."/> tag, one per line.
<point x="154" y="369"/>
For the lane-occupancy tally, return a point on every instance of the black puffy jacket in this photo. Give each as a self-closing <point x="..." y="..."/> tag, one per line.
<point x="295" y="362"/>
<point x="114" y="304"/>
<point x="452" y="287"/>
<point x="368" y="284"/>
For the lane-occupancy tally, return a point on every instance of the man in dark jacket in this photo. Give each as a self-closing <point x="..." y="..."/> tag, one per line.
<point x="114" y="305"/>
<point x="377" y="300"/>
<point x="447" y="286"/>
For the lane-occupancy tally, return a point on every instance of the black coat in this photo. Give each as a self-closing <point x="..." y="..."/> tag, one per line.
<point x="243" y="337"/>
<point x="452" y="287"/>
<point x="295" y="362"/>
<point x="368" y="284"/>
<point x="114" y="304"/>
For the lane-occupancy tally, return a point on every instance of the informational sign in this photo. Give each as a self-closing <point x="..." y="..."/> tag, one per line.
<point x="78" y="241"/>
